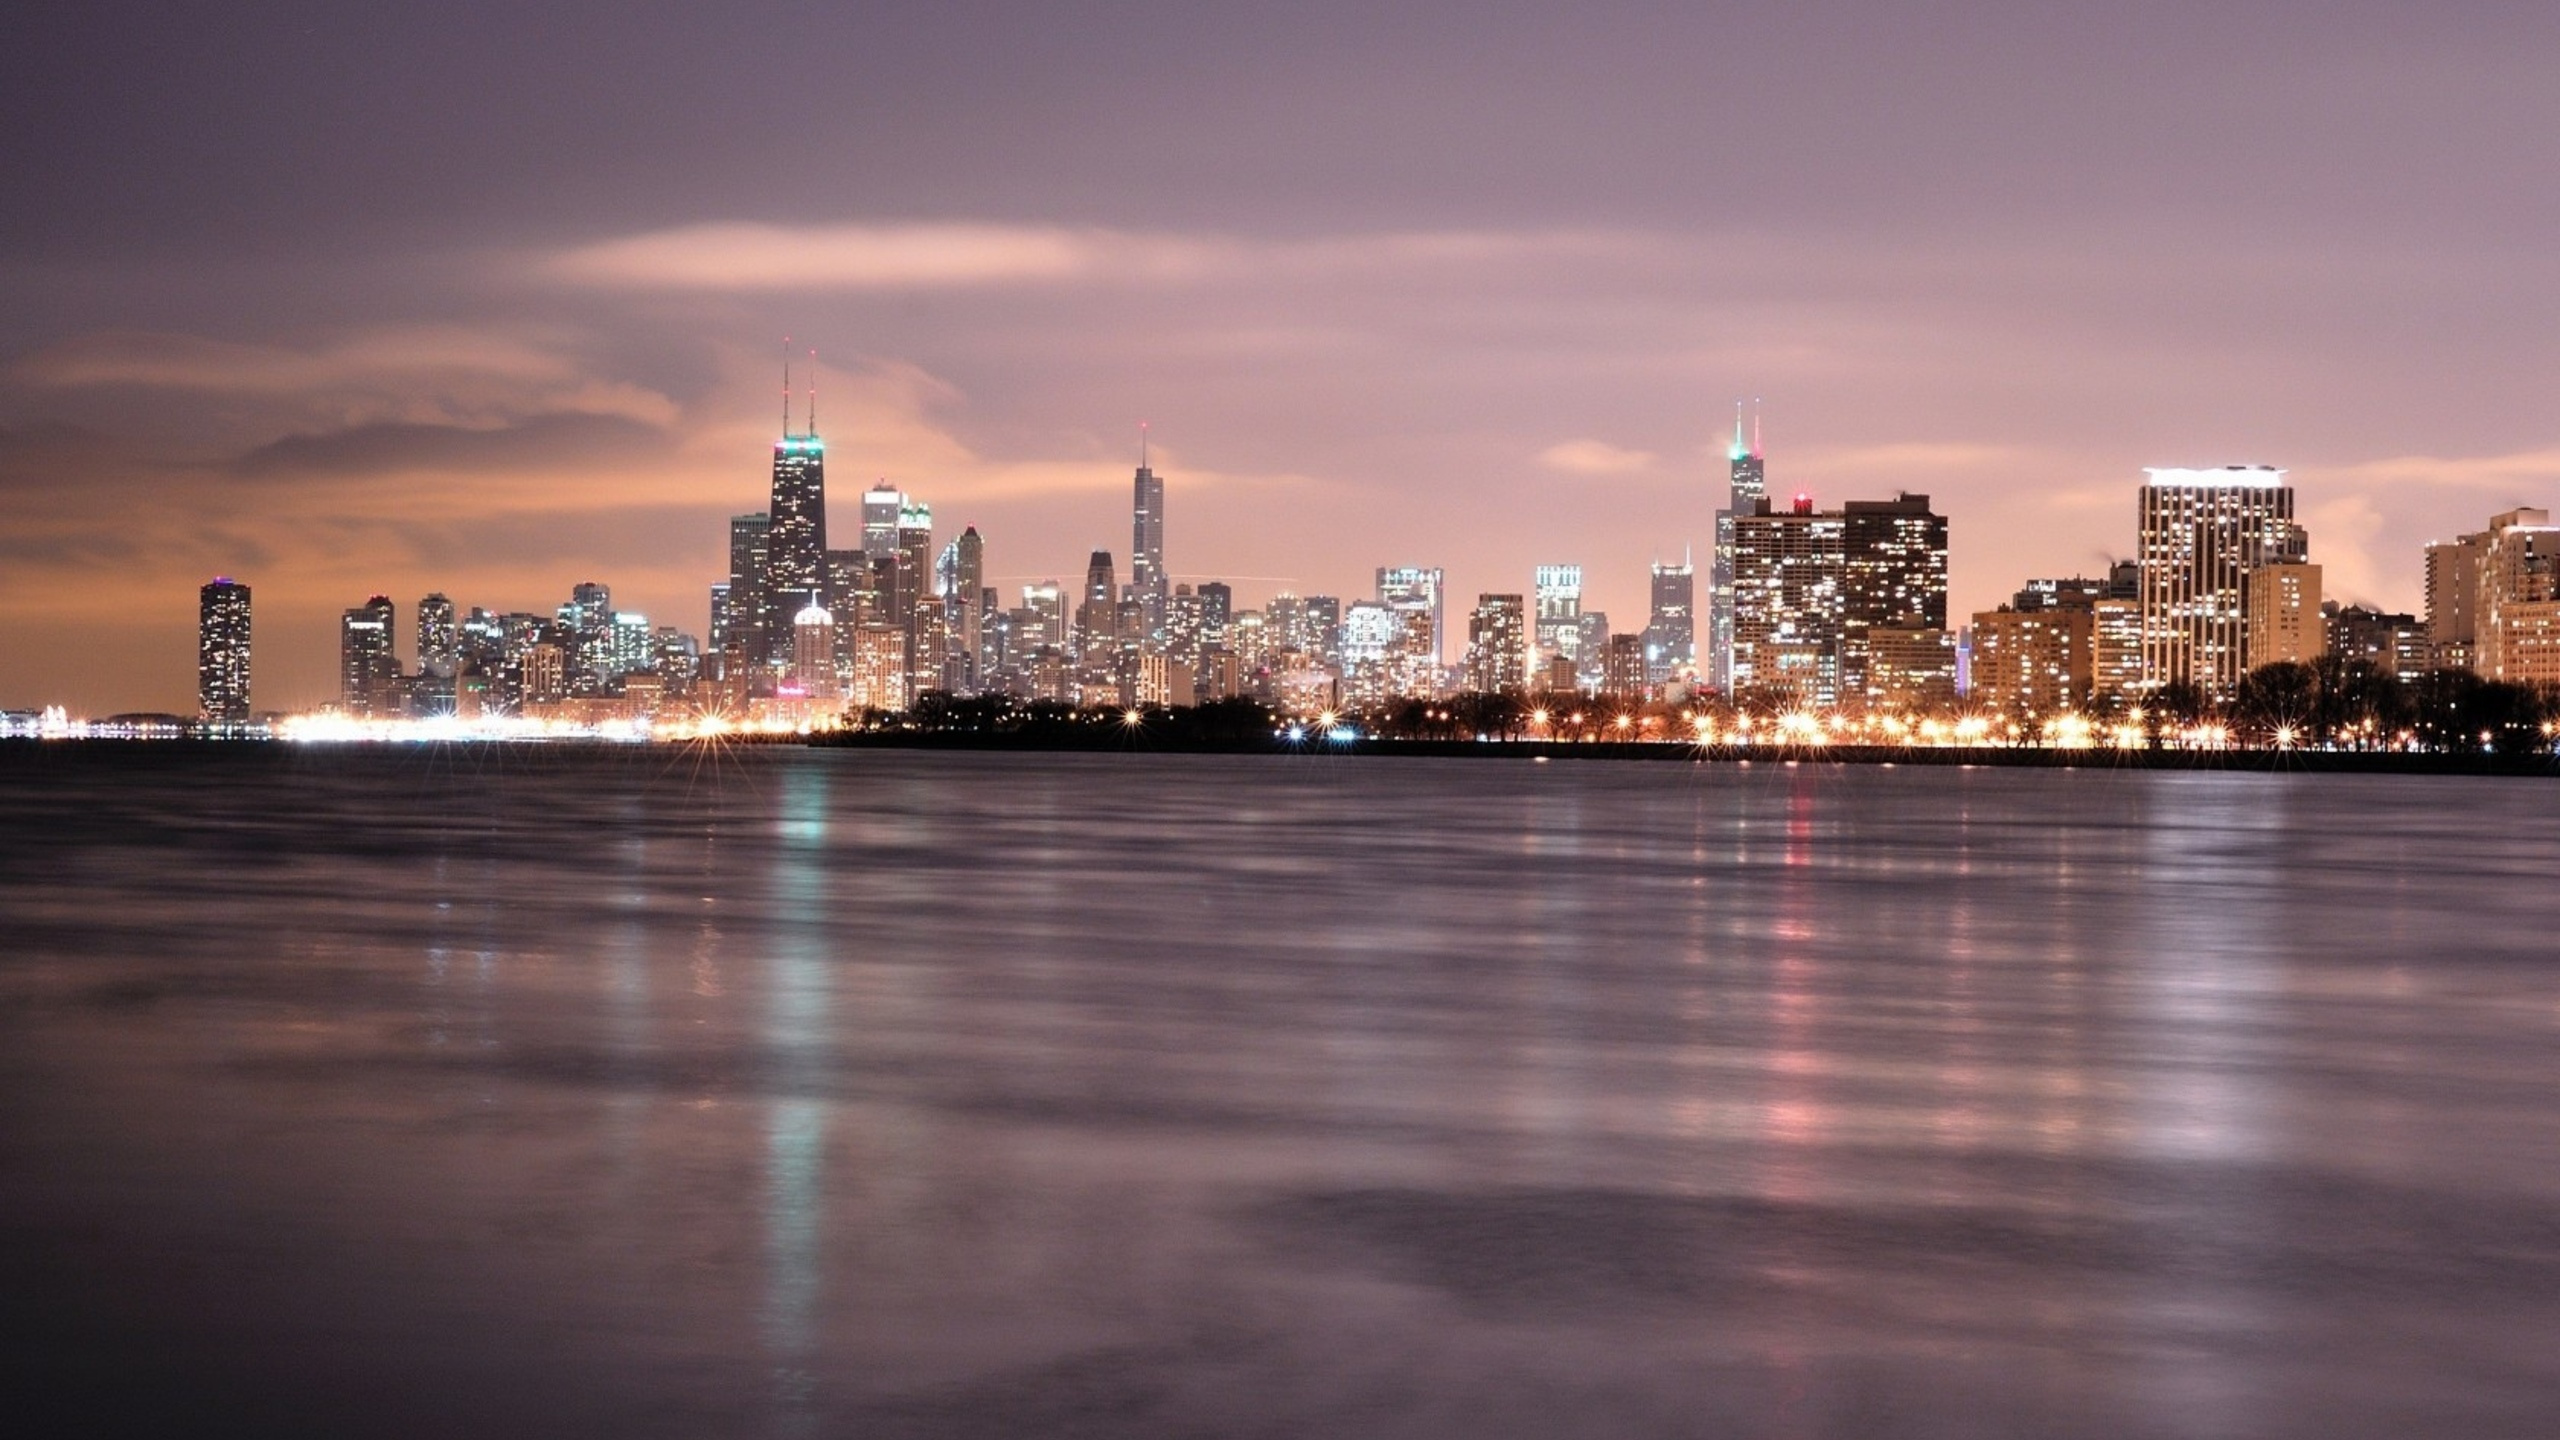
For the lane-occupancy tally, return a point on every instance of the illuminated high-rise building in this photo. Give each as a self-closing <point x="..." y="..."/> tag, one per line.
<point x="796" y="538"/>
<point x="1746" y="485"/>
<point x="2203" y="532"/>
<point x="2453" y="600"/>
<point x="2519" y="600"/>
<point x="1558" y="590"/>
<point x="1787" y="603"/>
<point x="2033" y="664"/>
<point x="632" y="646"/>
<point x="1893" y="575"/>
<point x="588" y="617"/>
<point x="1147" y="575"/>
<point x="2285" y="624"/>
<point x="1670" y="630"/>
<point x="368" y="666"/>
<point x="1622" y="668"/>
<point x="222" y="652"/>
<point x="1098" y="610"/>
<point x="1047" y="603"/>
<point x="813" y="651"/>
<point x="750" y="609"/>
<point x="439" y="637"/>
<point x="1371" y="636"/>
<point x="1498" y="645"/>
<point x="881" y="507"/>
<point x="1415" y="589"/>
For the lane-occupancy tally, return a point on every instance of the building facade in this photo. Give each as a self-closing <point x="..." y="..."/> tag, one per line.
<point x="2203" y="532"/>
<point x="2285" y="623"/>
<point x="222" y="652"/>
<point x="1498" y="645"/>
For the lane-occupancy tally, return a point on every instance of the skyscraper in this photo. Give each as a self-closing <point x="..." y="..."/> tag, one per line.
<point x="1146" y="542"/>
<point x="1098" y="611"/>
<point x="222" y="652"/>
<point x="881" y="505"/>
<point x="1559" y="618"/>
<point x="2519" y="603"/>
<point x="588" y="617"/>
<point x="1498" y="645"/>
<point x="1893" y="575"/>
<point x="750" y="608"/>
<point x="1414" y="589"/>
<point x="2285" y="625"/>
<point x="2453" y="599"/>
<point x="1787" y="603"/>
<point x="368" y="668"/>
<point x="1746" y="486"/>
<point x="439" y="637"/>
<point x="1670" y="632"/>
<point x="2203" y="531"/>
<point x="796" y="539"/>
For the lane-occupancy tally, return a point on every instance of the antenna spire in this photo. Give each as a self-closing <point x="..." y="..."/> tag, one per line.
<point x="1142" y="444"/>
<point x="1755" y="427"/>
<point x="813" y="392"/>
<point x="786" y="387"/>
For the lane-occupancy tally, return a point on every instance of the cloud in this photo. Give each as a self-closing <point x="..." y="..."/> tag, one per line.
<point x="2523" y="475"/>
<point x="1595" y="457"/>
<point x="857" y="257"/>
<point x="550" y="442"/>
<point x="421" y="374"/>
<point x="740" y="257"/>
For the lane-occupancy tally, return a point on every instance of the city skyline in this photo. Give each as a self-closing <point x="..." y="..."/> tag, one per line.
<point x="1344" y="282"/>
<point x="1826" y="616"/>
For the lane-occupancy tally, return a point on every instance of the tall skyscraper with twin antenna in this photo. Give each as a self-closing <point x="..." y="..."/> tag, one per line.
<point x="796" y="542"/>
<point x="1147" y="576"/>
<point x="1745" y="487"/>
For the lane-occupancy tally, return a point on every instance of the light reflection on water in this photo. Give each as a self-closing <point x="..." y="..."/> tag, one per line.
<point x="803" y="1094"/>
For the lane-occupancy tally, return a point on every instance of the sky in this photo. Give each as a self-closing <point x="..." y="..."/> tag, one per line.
<point x="490" y="299"/>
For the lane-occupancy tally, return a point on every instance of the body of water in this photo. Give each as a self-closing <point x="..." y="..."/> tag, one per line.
<point x="449" y="1092"/>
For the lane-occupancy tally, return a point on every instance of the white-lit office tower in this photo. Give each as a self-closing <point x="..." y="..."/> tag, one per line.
<point x="1498" y="645"/>
<point x="880" y="507"/>
<point x="1670" y="631"/>
<point x="2202" y="533"/>
<point x="1416" y="590"/>
<point x="1746" y="485"/>
<point x="222" y="652"/>
<point x="1558" y="590"/>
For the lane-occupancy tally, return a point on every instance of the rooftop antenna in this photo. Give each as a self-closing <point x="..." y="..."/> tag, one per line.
<point x="813" y="392"/>
<point x="1142" y="444"/>
<point x="1755" y="427"/>
<point x="786" y="387"/>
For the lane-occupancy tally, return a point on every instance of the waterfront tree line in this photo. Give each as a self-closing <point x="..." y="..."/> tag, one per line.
<point x="2333" y="704"/>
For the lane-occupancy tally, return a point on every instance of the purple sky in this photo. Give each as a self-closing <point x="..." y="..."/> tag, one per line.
<point x="488" y="298"/>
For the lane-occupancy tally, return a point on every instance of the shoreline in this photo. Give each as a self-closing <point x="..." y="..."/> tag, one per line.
<point x="2351" y="762"/>
<point x="1120" y="742"/>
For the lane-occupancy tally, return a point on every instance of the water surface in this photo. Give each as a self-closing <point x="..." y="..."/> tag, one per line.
<point x="637" y="1093"/>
